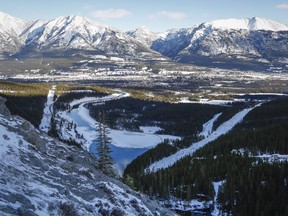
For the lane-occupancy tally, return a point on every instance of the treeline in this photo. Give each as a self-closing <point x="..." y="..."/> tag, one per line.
<point x="64" y="99"/>
<point x="26" y="99"/>
<point x="24" y="89"/>
<point x="162" y="150"/>
<point x="70" y="87"/>
<point x="66" y="93"/>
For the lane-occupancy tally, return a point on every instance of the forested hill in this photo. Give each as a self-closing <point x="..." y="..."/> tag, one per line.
<point x="251" y="160"/>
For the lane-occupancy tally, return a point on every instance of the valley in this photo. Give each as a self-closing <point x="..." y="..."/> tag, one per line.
<point x="99" y="121"/>
<point x="138" y="122"/>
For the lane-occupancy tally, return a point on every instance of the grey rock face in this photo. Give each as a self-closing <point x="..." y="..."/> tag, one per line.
<point x="38" y="177"/>
<point x="3" y="109"/>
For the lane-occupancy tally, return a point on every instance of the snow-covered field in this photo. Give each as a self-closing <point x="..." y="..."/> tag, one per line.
<point x="78" y="125"/>
<point x="120" y="138"/>
<point x="221" y="130"/>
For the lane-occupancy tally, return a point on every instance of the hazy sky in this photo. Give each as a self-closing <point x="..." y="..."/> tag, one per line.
<point x="158" y="15"/>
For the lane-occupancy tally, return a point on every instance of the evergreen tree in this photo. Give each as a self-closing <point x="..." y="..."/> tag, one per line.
<point x="105" y="162"/>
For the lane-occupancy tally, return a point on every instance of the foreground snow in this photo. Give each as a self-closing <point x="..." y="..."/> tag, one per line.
<point x="45" y="124"/>
<point x="42" y="176"/>
<point x="221" y="130"/>
<point x="187" y="206"/>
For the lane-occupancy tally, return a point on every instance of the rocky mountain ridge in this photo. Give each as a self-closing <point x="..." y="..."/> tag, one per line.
<point x="68" y="36"/>
<point x="247" y="44"/>
<point x="256" y="44"/>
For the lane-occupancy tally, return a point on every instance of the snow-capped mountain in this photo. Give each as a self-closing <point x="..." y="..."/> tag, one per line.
<point x="10" y="28"/>
<point x="246" y="43"/>
<point x="256" y="43"/>
<point x="80" y="33"/>
<point x="144" y="35"/>
<point x="11" y="24"/>
<point x="42" y="176"/>
<point x="68" y="35"/>
<point x="251" y="24"/>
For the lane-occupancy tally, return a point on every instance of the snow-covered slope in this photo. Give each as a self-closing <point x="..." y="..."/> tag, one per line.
<point x="254" y="43"/>
<point x="80" y="35"/>
<point x="251" y="24"/>
<point x="67" y="32"/>
<point x="67" y="36"/>
<point x="10" y="28"/>
<point x="144" y="35"/>
<point x="221" y="130"/>
<point x="42" y="176"/>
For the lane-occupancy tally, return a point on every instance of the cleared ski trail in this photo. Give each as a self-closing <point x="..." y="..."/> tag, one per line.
<point x="45" y="124"/>
<point x="221" y="130"/>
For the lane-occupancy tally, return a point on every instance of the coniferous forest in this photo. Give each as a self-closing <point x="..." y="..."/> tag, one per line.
<point x="252" y="185"/>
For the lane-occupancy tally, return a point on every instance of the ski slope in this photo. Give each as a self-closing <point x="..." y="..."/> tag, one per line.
<point x="221" y="130"/>
<point x="208" y="126"/>
<point x="45" y="124"/>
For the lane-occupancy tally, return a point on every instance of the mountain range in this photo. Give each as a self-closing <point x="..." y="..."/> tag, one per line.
<point x="249" y="44"/>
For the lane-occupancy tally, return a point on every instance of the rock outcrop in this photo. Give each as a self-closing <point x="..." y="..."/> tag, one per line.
<point x="42" y="176"/>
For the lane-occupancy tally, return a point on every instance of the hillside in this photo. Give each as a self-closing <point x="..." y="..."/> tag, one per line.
<point x="42" y="176"/>
<point x="241" y="173"/>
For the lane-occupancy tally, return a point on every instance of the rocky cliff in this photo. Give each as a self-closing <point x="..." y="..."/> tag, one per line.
<point x="42" y="176"/>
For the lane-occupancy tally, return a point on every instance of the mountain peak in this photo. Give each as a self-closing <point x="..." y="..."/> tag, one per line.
<point x="11" y="24"/>
<point x="76" y="21"/>
<point x="144" y="29"/>
<point x="144" y="35"/>
<point x="251" y="24"/>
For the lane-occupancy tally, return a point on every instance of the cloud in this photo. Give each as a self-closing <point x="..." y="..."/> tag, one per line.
<point x="282" y="6"/>
<point x="110" y="13"/>
<point x="167" y="15"/>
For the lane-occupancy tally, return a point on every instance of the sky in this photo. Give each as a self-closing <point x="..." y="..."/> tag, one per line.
<point x="157" y="15"/>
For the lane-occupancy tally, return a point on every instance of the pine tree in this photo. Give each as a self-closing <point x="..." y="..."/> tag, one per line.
<point x="105" y="162"/>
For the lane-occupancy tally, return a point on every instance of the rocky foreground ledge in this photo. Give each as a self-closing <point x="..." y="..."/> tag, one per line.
<point x="42" y="176"/>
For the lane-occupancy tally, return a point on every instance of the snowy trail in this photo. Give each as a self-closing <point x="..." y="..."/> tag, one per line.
<point x="208" y="126"/>
<point x="221" y="130"/>
<point x="47" y="113"/>
<point x="216" y="186"/>
<point x="84" y="100"/>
